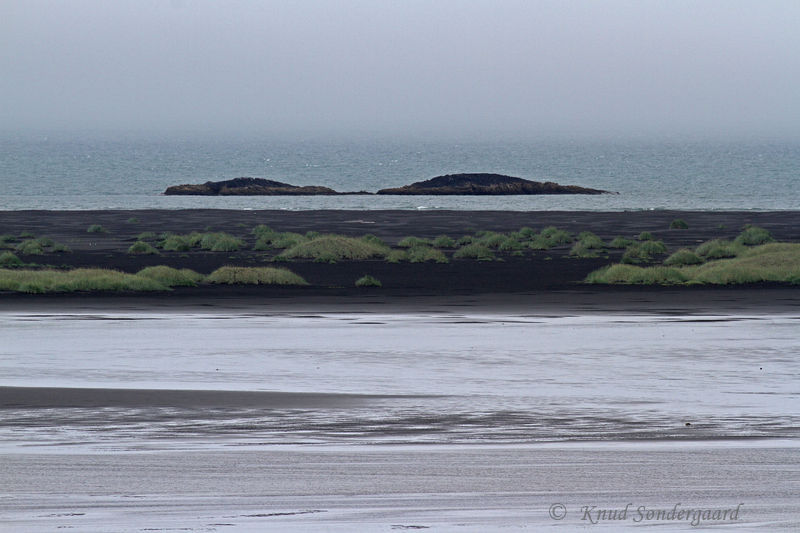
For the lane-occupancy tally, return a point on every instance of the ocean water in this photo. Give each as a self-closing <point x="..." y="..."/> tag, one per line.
<point x="91" y="172"/>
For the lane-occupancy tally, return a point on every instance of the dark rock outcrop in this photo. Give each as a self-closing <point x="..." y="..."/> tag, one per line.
<point x="486" y="184"/>
<point x="249" y="187"/>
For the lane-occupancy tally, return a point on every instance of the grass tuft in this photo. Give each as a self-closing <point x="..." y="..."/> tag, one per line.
<point x="220" y="242"/>
<point x="142" y="248"/>
<point x="231" y="275"/>
<point x="30" y="247"/>
<point x="718" y="249"/>
<point x="96" y="228"/>
<point x="7" y="259"/>
<point x="550" y="237"/>
<point x="620" y="242"/>
<point x="678" y="223"/>
<point x="332" y="248"/>
<point x="444" y="241"/>
<point x="645" y="236"/>
<point x="683" y="257"/>
<point x="82" y="279"/>
<point x="642" y="252"/>
<point x="423" y="254"/>
<point x="171" y="277"/>
<point x="368" y="281"/>
<point x="408" y="242"/>
<point x="752" y="236"/>
<point x="475" y="251"/>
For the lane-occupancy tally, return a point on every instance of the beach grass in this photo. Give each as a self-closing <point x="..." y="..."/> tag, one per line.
<point x="30" y="247"/>
<point x="408" y="242"/>
<point x="232" y="275"/>
<point x="683" y="257"/>
<point x="678" y="223"/>
<point x="444" y="241"/>
<point x="643" y="251"/>
<point x="278" y="241"/>
<point x="396" y="256"/>
<point x="774" y="262"/>
<point x="424" y="254"/>
<point x="142" y="248"/>
<point x="752" y="236"/>
<point x="620" y="242"/>
<point x="171" y="277"/>
<point x="370" y="238"/>
<point x="332" y="248"/>
<point x="587" y="245"/>
<point x="550" y="237"/>
<point x="81" y="279"/>
<point x="368" y="281"/>
<point x="220" y="242"/>
<point x="718" y="249"/>
<point x="147" y="236"/>
<point x="476" y="250"/>
<point x="8" y="259"/>
<point x="96" y="228"/>
<point x="645" y="236"/>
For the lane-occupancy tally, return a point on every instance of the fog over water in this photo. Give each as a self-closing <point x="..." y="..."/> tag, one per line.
<point x="452" y="68"/>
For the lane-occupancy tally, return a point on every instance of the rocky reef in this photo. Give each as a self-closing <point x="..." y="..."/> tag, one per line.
<point x="249" y="187"/>
<point x="486" y="184"/>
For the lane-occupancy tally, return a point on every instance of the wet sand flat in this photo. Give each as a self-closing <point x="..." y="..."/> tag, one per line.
<point x="446" y="488"/>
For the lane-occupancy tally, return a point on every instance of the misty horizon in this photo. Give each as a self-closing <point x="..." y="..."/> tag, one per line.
<point x="413" y="69"/>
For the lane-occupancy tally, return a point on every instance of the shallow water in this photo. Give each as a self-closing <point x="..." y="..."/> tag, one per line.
<point x="436" y="379"/>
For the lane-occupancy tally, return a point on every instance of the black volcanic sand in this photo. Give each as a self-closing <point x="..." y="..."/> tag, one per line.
<point x="539" y="271"/>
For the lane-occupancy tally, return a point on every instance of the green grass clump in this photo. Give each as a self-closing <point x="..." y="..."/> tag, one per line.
<point x="645" y="236"/>
<point x="752" y="236"/>
<point x="30" y="247"/>
<point x="550" y="237"/>
<point x="408" y="242"/>
<point x="132" y="220"/>
<point x="7" y="239"/>
<point x="272" y="241"/>
<point x="395" y="256"/>
<point x="142" y="248"/>
<point x="466" y="239"/>
<point x="510" y="244"/>
<point x="368" y="281"/>
<point x="82" y="279"/>
<point x="775" y="262"/>
<point x="635" y="275"/>
<point x="27" y="235"/>
<point x="475" y="251"/>
<point x="492" y="239"/>
<point x="524" y="234"/>
<point x="171" y="277"/>
<point x="718" y="249"/>
<point x="369" y="237"/>
<point x="96" y="228"/>
<point x="230" y="275"/>
<point x="620" y="242"/>
<point x="332" y="248"/>
<point x="147" y="236"/>
<point x="640" y="252"/>
<point x="177" y="243"/>
<point x="7" y="259"/>
<point x="220" y="242"/>
<point x="61" y="248"/>
<point x="678" y="223"/>
<point x="587" y="245"/>
<point x="262" y="230"/>
<point x="444" y="241"/>
<point x="423" y="254"/>
<point x="682" y="257"/>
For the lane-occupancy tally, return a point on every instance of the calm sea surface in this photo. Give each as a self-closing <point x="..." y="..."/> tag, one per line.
<point x="81" y="172"/>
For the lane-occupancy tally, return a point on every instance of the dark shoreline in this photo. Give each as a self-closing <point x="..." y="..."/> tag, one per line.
<point x="541" y="279"/>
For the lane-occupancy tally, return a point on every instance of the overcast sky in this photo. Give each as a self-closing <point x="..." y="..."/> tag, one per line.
<point x="403" y="67"/>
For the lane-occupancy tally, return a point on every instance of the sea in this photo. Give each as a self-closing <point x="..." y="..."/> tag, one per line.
<point x="115" y="171"/>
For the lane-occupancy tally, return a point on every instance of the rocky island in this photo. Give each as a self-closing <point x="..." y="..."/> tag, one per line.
<point x="486" y="184"/>
<point x="249" y="187"/>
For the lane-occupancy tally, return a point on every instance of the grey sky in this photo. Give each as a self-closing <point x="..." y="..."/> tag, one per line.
<point x="406" y="66"/>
